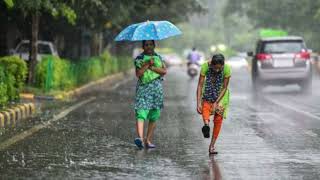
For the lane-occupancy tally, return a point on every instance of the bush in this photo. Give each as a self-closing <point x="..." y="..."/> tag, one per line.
<point x="125" y="63"/>
<point x="88" y="69"/>
<point x="3" y="88"/>
<point x="109" y="63"/>
<point x="113" y="65"/>
<point x="54" y="73"/>
<point x="65" y="75"/>
<point x="14" y="73"/>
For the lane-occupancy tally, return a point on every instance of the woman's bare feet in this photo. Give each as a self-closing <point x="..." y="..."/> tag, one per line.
<point x="212" y="149"/>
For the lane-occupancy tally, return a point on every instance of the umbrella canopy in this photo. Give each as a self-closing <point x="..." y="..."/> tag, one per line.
<point x="150" y="30"/>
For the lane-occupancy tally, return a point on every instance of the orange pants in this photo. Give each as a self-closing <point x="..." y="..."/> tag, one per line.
<point x="207" y="109"/>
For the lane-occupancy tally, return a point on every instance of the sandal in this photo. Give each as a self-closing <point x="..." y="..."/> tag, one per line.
<point x="150" y="145"/>
<point x="138" y="142"/>
<point x="206" y="131"/>
<point x="212" y="150"/>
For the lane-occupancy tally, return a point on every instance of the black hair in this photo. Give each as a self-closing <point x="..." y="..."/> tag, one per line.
<point x="193" y="49"/>
<point x="217" y="59"/>
<point x="144" y="42"/>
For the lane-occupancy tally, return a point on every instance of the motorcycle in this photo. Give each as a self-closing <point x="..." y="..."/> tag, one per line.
<point x="193" y="70"/>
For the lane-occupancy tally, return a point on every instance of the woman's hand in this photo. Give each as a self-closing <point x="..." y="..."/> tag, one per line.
<point x="199" y="108"/>
<point x="160" y="70"/>
<point x="199" y="94"/>
<point x="214" y="106"/>
<point x="151" y="62"/>
<point x="145" y="66"/>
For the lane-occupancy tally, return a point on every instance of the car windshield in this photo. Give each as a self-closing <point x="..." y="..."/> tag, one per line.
<point x="283" y="47"/>
<point x="42" y="48"/>
<point x="23" y="48"/>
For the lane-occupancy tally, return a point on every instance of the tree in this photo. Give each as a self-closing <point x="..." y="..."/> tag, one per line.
<point x="98" y="17"/>
<point x="110" y="17"/>
<point x="34" y="8"/>
<point x="298" y="17"/>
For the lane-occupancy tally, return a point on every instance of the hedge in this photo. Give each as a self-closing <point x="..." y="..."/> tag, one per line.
<point x="66" y="74"/>
<point x="13" y="72"/>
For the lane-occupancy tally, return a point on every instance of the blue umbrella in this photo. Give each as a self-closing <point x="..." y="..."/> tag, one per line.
<point x="150" y="30"/>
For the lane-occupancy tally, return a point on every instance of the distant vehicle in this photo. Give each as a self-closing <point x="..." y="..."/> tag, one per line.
<point x="237" y="62"/>
<point x="281" y="60"/>
<point x="202" y="56"/>
<point x="242" y="54"/>
<point x="172" y="59"/>
<point x="44" y="48"/>
<point x="193" y="70"/>
<point x="193" y="57"/>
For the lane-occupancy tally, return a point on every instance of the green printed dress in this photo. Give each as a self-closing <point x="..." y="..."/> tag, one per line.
<point x="149" y="90"/>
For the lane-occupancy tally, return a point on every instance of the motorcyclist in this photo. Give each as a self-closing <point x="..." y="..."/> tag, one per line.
<point x="193" y="57"/>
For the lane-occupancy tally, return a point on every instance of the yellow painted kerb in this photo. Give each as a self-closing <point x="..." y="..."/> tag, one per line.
<point x="7" y="117"/>
<point x="33" y="108"/>
<point x="18" y="113"/>
<point x="23" y="111"/>
<point x="1" y="120"/>
<point x="13" y="115"/>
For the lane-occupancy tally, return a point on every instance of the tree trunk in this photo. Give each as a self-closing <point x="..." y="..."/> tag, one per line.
<point x="80" y="43"/>
<point x="34" y="48"/>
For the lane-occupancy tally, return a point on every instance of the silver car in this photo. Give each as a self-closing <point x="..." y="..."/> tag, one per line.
<point x="281" y="60"/>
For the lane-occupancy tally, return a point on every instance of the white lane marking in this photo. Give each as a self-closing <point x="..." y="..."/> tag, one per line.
<point x="120" y="83"/>
<point x="306" y="113"/>
<point x="310" y="133"/>
<point x="37" y="128"/>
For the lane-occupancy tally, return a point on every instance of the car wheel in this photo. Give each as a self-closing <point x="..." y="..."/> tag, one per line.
<point x="306" y="86"/>
<point x="256" y="84"/>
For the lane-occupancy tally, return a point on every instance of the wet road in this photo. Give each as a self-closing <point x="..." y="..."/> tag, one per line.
<point x="272" y="136"/>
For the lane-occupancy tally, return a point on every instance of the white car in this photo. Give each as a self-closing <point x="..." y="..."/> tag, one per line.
<point x="237" y="62"/>
<point x="172" y="59"/>
<point x="44" y="48"/>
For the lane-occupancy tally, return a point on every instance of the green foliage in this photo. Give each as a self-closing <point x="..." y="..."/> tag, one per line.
<point x="110" y="17"/>
<point x="9" y="3"/>
<point x="68" y="12"/>
<point x="291" y="16"/>
<point x="55" y="7"/>
<point x="192" y="37"/>
<point x="13" y="76"/>
<point x="213" y="28"/>
<point x="3" y="88"/>
<point x="124" y="63"/>
<point x="66" y="75"/>
<point x="59" y="75"/>
<point x="202" y="40"/>
<point x="109" y="63"/>
<point x="88" y="69"/>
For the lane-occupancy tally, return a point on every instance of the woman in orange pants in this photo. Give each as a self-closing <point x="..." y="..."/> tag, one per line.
<point x="213" y="99"/>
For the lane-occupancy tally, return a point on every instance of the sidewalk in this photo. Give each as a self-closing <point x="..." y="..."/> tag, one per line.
<point x="32" y="104"/>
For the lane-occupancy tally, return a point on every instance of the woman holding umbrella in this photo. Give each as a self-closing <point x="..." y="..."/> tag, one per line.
<point x="149" y="92"/>
<point x="149" y="69"/>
